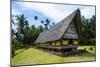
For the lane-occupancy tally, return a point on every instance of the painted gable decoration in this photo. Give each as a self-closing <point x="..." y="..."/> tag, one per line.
<point x="71" y="32"/>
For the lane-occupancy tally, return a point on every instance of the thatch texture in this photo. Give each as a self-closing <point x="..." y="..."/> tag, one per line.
<point x="59" y="29"/>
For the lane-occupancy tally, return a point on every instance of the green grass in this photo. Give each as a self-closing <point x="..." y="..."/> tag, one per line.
<point x="35" y="56"/>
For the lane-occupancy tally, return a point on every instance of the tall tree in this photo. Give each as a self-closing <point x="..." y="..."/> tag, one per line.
<point x="40" y="28"/>
<point x="42" y="21"/>
<point x="93" y="25"/>
<point x="22" y="27"/>
<point x="47" y="24"/>
<point x="12" y="20"/>
<point x="88" y="26"/>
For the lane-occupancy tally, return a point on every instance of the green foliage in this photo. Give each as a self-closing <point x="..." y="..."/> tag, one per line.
<point x="89" y="29"/>
<point x="91" y="48"/>
<point x="40" y="28"/>
<point x="15" y="46"/>
<point x="22" y="27"/>
<point x="45" y="23"/>
<point x="35" y="56"/>
<point x="24" y="34"/>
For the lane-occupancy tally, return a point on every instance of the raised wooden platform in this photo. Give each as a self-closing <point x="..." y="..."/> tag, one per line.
<point x="65" y="47"/>
<point x="59" y="50"/>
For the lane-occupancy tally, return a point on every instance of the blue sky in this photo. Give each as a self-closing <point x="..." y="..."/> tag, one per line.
<point x="54" y="12"/>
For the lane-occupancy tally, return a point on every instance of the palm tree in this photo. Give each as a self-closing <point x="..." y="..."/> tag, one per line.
<point x="12" y="23"/>
<point x="42" y="21"/>
<point x="36" y="17"/>
<point x="22" y="27"/>
<point x="53" y="23"/>
<point x="40" y="28"/>
<point x="12" y="20"/>
<point x="47" y="24"/>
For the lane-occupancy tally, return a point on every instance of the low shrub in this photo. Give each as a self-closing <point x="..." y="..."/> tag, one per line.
<point x="91" y="48"/>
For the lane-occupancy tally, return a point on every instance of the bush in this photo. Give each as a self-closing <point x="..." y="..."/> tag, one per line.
<point x="84" y="49"/>
<point x="87" y="42"/>
<point x="91" y="48"/>
<point x="75" y="52"/>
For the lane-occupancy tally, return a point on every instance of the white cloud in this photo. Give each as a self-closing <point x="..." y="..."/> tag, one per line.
<point x="55" y="11"/>
<point x="15" y="12"/>
<point x="47" y="9"/>
<point x="88" y="11"/>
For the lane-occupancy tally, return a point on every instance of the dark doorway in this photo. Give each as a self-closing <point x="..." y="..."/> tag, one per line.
<point x="70" y="41"/>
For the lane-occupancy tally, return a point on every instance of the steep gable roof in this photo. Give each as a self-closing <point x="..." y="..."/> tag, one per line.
<point x="58" y="30"/>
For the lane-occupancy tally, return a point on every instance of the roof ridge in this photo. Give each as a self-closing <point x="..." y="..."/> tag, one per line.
<point x="63" y="19"/>
<point x="56" y="32"/>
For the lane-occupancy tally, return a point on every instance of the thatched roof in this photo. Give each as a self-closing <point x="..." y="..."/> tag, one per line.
<point x="58" y="30"/>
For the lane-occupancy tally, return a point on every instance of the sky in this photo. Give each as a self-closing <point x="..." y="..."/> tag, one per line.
<point x="54" y="12"/>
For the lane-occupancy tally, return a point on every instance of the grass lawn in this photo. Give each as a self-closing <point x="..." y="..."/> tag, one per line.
<point x="35" y="56"/>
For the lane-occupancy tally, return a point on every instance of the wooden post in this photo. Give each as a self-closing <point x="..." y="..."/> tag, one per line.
<point x="61" y="42"/>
